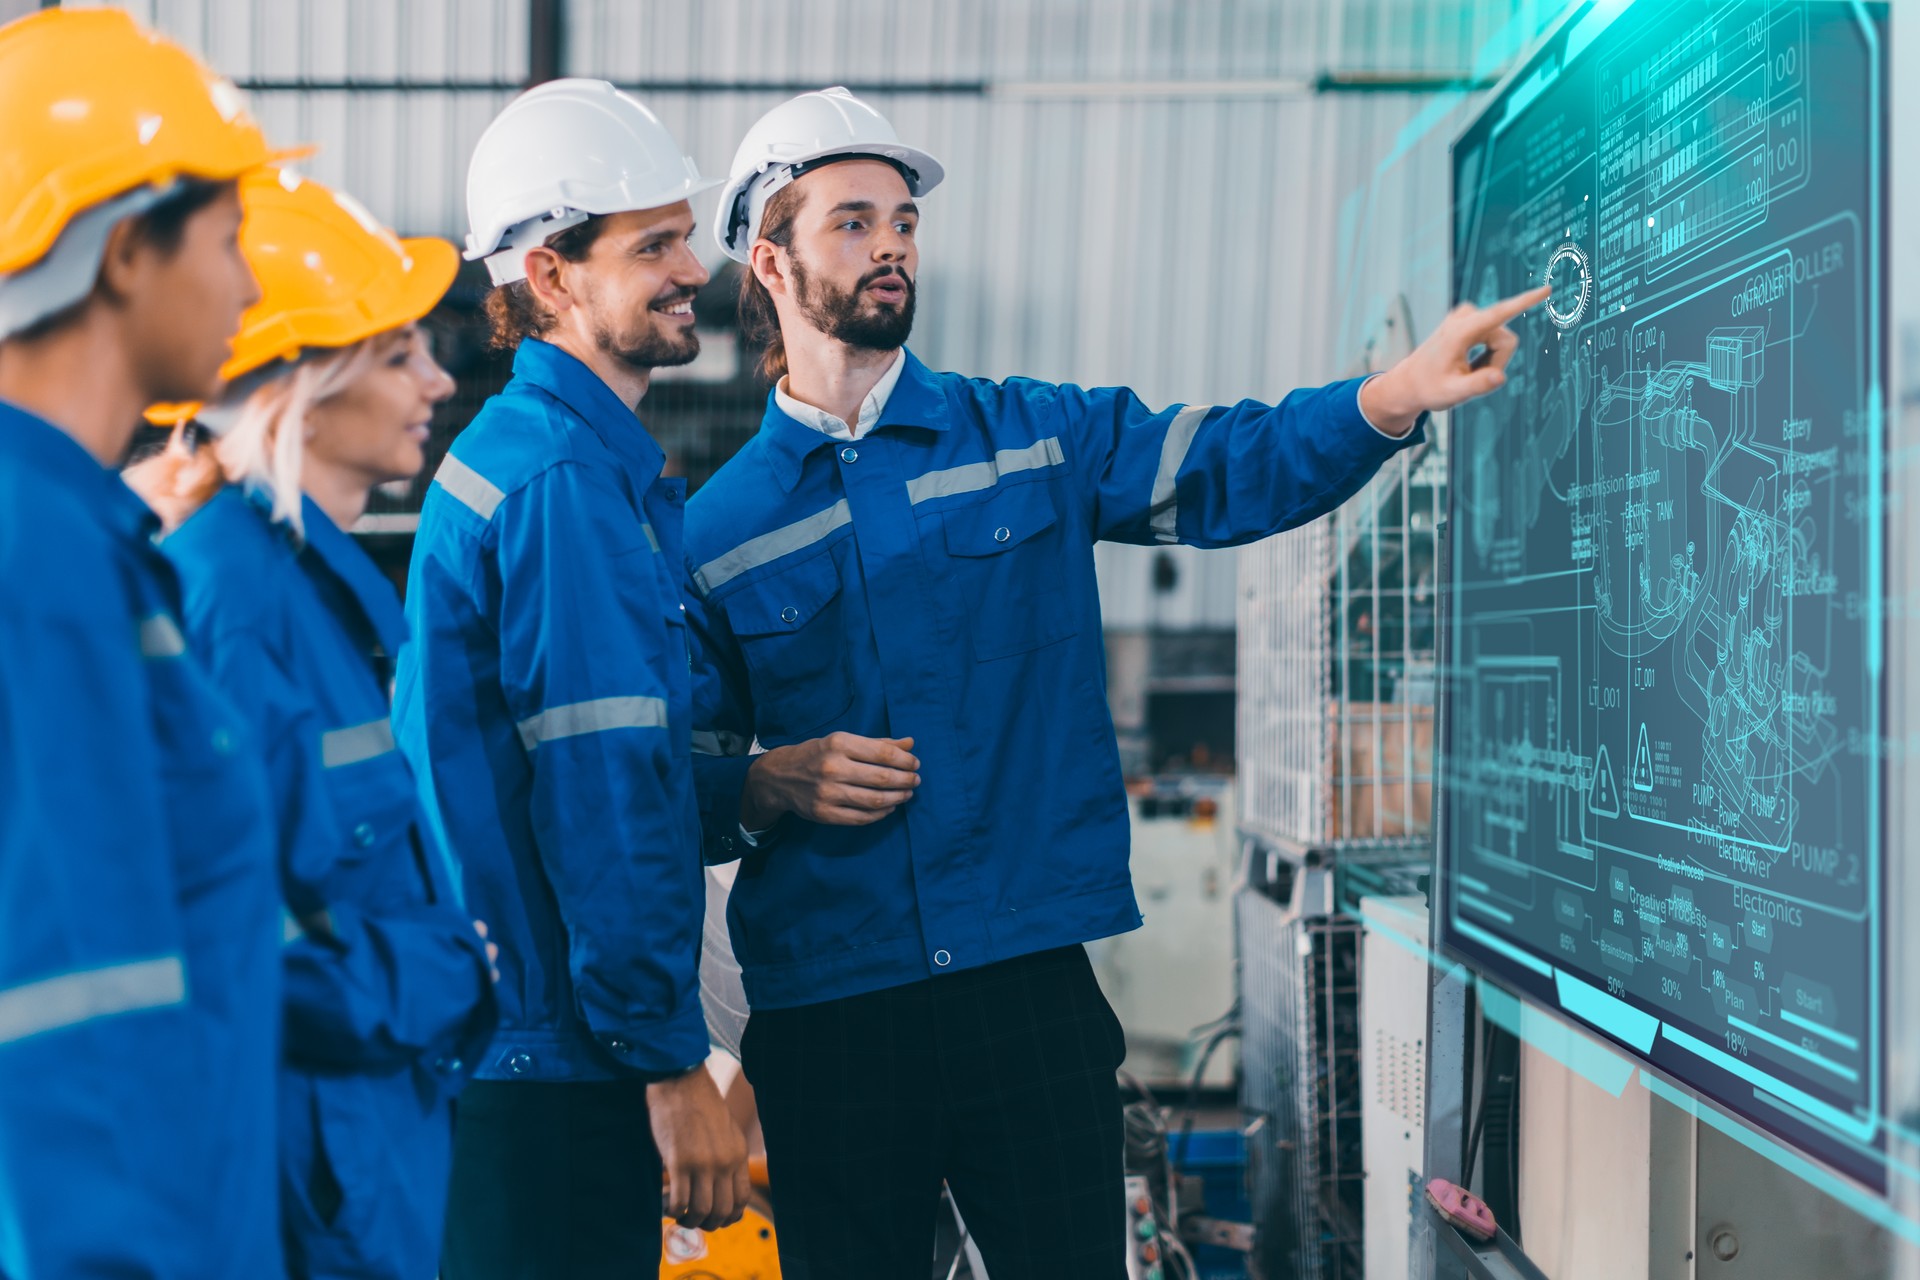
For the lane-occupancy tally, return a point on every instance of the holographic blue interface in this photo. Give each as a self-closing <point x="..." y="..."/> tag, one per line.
<point x="1663" y="783"/>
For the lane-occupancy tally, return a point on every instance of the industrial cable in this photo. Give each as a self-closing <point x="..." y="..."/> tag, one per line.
<point x="1224" y="1031"/>
<point x="1143" y="1122"/>
<point x="1479" y="1108"/>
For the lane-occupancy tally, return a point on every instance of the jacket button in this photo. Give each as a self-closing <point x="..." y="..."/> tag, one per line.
<point x="726" y="844"/>
<point x="849" y="454"/>
<point x="618" y="1045"/>
<point x="450" y="1066"/>
<point x="1002" y="534"/>
<point x="942" y="959"/>
<point x="520" y="1063"/>
<point x="789" y="614"/>
<point x="363" y="835"/>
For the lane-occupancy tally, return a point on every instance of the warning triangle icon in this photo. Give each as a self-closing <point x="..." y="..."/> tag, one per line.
<point x="1643" y="762"/>
<point x="1604" y="798"/>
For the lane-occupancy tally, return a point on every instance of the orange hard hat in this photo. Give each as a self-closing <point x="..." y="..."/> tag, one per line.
<point x="96" y="106"/>
<point x="330" y="275"/>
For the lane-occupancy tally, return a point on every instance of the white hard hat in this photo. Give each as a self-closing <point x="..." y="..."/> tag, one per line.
<point x="829" y="124"/>
<point x="560" y="153"/>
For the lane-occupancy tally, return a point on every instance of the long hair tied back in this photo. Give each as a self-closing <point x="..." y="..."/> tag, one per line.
<point x="265" y="444"/>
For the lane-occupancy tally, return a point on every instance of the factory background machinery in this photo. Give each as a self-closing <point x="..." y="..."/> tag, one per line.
<point x="1274" y="179"/>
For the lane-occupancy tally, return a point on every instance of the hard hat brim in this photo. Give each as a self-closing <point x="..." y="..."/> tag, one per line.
<point x="597" y="207"/>
<point x="435" y="264"/>
<point x="927" y="170"/>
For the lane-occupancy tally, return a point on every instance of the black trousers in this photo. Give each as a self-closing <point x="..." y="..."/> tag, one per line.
<point x="999" y="1081"/>
<point x="553" y="1182"/>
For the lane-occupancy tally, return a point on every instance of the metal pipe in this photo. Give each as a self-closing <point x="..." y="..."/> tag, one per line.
<point x="546" y="41"/>
<point x="547" y="49"/>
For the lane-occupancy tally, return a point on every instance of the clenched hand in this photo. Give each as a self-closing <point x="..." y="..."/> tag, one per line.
<point x="702" y="1149"/>
<point x="842" y="779"/>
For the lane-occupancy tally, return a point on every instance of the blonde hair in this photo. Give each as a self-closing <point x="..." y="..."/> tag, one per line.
<point x="266" y="443"/>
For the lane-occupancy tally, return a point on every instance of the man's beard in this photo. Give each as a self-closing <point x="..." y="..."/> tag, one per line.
<point x="841" y="315"/>
<point x="650" y="347"/>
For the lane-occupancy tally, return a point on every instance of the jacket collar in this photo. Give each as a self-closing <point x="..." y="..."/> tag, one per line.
<point x="917" y="401"/>
<point x="571" y="382"/>
<point x="344" y="559"/>
<point x="29" y="440"/>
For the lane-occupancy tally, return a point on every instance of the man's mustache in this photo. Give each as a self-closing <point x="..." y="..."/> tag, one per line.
<point x="672" y="298"/>
<point x="881" y="273"/>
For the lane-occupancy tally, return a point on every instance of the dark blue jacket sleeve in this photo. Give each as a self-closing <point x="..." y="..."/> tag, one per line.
<point x="371" y="989"/>
<point x="377" y="991"/>
<point x="722" y="730"/>
<point x="582" y="606"/>
<point x="1219" y="476"/>
<point x="92" y="965"/>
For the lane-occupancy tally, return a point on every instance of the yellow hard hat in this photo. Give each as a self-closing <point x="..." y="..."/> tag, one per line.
<point x="96" y="106"/>
<point x="330" y="276"/>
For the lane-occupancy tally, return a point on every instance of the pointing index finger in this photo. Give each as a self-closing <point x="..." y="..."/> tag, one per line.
<point x="1507" y="308"/>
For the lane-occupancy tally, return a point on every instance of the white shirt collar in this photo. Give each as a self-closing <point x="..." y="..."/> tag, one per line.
<point x="828" y="425"/>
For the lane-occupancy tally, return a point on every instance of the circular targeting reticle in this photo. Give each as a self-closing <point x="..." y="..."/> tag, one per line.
<point x="1571" y="276"/>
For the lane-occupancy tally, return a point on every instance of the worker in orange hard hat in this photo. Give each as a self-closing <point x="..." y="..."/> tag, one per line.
<point x="389" y="991"/>
<point x="139" y="906"/>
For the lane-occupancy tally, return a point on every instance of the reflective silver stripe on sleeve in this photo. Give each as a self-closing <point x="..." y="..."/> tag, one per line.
<point x="341" y="747"/>
<point x="473" y="489"/>
<point x="984" y="475"/>
<point x="1164" y="509"/>
<point x="596" y="716"/>
<point x="160" y="637"/>
<point x="653" y="539"/>
<point x="73" y="998"/>
<point x="721" y="742"/>
<point x="769" y="547"/>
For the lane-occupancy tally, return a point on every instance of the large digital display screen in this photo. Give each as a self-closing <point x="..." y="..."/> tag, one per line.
<point x="1663" y="811"/>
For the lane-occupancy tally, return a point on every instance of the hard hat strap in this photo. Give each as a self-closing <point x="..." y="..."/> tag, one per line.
<point x="805" y="167"/>
<point x="508" y="263"/>
<point x="67" y="273"/>
<point x="747" y="210"/>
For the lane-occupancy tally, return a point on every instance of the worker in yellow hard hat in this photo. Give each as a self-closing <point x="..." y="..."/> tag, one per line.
<point x="389" y="994"/>
<point x="139" y="906"/>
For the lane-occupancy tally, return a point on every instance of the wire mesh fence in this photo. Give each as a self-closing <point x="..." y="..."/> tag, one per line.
<point x="1337" y="667"/>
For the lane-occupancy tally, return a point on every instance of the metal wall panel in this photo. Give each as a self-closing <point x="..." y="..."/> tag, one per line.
<point x="1140" y="192"/>
<point x="402" y="150"/>
<point x="881" y="41"/>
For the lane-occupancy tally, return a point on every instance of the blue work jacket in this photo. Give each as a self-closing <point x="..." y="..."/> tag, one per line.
<point x="389" y="1003"/>
<point x="139" y="910"/>
<point x="935" y="580"/>
<point x="546" y="700"/>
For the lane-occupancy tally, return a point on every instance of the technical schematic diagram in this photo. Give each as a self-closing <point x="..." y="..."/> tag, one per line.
<point x="1662" y="753"/>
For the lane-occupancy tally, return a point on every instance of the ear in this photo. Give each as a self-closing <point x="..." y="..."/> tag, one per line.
<point x="547" y="277"/>
<point x="768" y="262"/>
<point x="125" y="259"/>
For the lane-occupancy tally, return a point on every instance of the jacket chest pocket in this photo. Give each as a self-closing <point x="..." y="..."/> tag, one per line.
<point x="1008" y="558"/>
<point x="792" y="633"/>
<point x="381" y="861"/>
